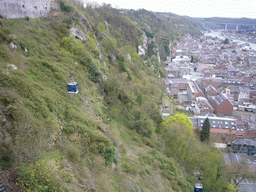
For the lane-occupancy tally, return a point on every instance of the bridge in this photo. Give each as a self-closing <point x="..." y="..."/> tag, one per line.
<point x="228" y="24"/>
<point x="237" y="26"/>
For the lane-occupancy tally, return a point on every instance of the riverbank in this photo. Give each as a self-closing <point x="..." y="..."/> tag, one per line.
<point x="220" y="36"/>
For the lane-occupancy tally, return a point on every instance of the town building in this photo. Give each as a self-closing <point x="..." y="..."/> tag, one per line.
<point x="244" y="146"/>
<point x="176" y="86"/>
<point x="222" y="105"/>
<point x="203" y="107"/>
<point x="173" y="71"/>
<point x="244" y="94"/>
<point x="253" y="96"/>
<point x="210" y="91"/>
<point x="240" y="129"/>
<point x="232" y="92"/>
<point x="193" y="91"/>
<point x="220" y="125"/>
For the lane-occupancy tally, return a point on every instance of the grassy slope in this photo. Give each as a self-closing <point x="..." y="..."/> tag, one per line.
<point x="103" y="138"/>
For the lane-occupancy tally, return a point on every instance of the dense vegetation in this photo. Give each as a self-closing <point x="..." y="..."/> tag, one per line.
<point x="108" y="137"/>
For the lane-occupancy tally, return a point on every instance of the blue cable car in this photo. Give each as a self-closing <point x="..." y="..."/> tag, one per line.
<point x="72" y="85"/>
<point x="198" y="187"/>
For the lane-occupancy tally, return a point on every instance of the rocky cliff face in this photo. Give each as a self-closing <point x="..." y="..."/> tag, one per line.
<point x="26" y="8"/>
<point x="142" y="48"/>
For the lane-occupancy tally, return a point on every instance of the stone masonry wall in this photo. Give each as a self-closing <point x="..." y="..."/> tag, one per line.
<point x="26" y="8"/>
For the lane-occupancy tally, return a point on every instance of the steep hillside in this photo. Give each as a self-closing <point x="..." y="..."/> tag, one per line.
<point x="108" y="137"/>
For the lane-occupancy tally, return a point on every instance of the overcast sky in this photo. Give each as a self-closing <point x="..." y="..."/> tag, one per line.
<point x="192" y="8"/>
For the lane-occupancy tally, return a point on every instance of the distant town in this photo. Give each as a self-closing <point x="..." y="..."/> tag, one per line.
<point x="216" y="78"/>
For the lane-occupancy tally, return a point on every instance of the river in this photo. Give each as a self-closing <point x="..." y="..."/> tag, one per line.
<point x="218" y="34"/>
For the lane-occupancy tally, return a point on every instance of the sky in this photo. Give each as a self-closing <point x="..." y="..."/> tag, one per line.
<point x="192" y="8"/>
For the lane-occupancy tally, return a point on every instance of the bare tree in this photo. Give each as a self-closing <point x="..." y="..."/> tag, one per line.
<point x="237" y="172"/>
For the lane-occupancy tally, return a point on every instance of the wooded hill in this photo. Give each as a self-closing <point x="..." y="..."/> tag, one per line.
<point x="110" y="136"/>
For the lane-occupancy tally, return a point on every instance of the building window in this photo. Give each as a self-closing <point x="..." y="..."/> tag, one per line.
<point x="202" y="121"/>
<point x="238" y="129"/>
<point x="232" y="123"/>
<point x="242" y="129"/>
<point x="226" y="122"/>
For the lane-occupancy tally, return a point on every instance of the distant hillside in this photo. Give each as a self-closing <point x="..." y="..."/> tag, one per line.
<point x="110" y="136"/>
<point x="165" y="28"/>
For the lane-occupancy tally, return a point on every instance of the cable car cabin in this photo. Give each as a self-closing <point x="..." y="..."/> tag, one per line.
<point x="72" y="87"/>
<point x="198" y="187"/>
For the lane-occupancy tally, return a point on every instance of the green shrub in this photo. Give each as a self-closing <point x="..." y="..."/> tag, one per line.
<point x="94" y="72"/>
<point x="32" y="76"/>
<point x="109" y="44"/>
<point x="110" y="155"/>
<point x="7" y="31"/>
<point x="67" y="177"/>
<point x="143" y="126"/>
<point x="94" y="148"/>
<point x="67" y="43"/>
<point x="139" y="98"/>
<point x="3" y="36"/>
<point x="73" y="153"/>
<point x="93" y="47"/>
<point x="61" y="29"/>
<point x="114" y="113"/>
<point x="65" y="7"/>
<point x="82" y="56"/>
<point x="150" y="50"/>
<point x="97" y="147"/>
<point x="149" y="34"/>
<point x="70" y="127"/>
<point x="130" y="168"/>
<point x="102" y="27"/>
<point x="5" y="160"/>
<point x="81" y="128"/>
<point x="91" y="137"/>
<point x="146" y="159"/>
<point x="4" y="54"/>
<point x="38" y="176"/>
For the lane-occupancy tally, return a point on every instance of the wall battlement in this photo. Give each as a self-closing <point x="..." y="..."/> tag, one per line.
<point x="26" y="8"/>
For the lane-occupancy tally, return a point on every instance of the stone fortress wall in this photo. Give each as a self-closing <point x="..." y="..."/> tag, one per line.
<point x="26" y="8"/>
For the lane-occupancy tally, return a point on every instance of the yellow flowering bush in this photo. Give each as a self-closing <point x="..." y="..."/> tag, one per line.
<point x="38" y="177"/>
